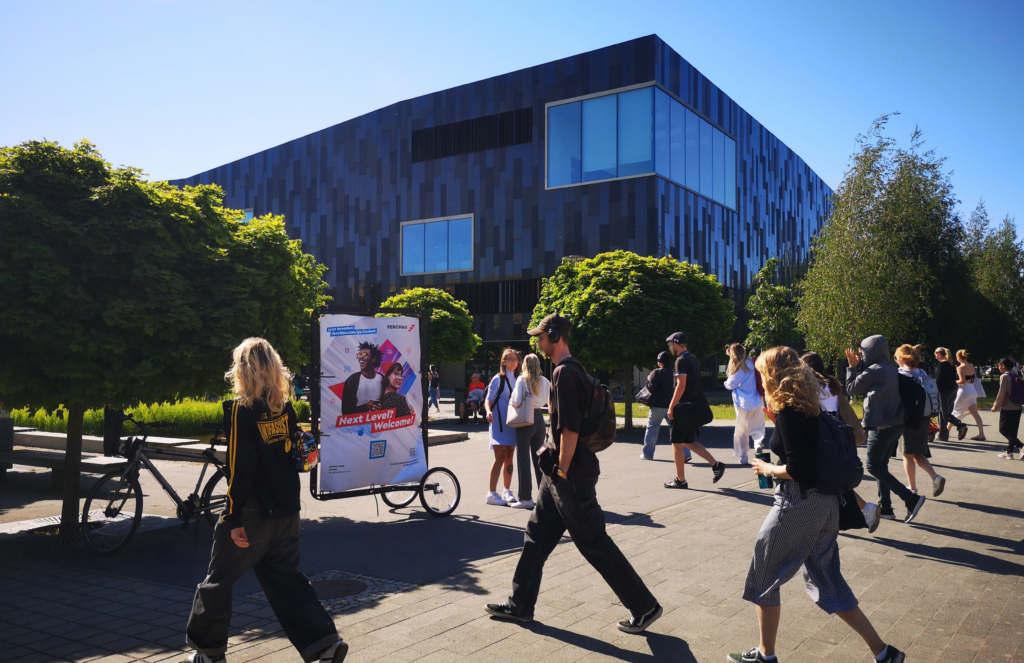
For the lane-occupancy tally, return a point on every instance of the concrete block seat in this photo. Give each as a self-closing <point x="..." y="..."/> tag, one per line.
<point x="54" y="461"/>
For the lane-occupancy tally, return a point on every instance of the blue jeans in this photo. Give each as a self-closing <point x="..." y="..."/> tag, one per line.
<point x="654" y="419"/>
<point x="435" y="395"/>
<point x="881" y="442"/>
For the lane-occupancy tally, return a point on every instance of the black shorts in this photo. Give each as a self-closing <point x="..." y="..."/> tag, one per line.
<point x="680" y="433"/>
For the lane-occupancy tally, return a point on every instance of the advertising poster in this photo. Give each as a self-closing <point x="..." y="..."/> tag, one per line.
<point x="371" y="409"/>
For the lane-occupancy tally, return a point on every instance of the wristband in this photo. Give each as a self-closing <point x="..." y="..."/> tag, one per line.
<point x="561" y="474"/>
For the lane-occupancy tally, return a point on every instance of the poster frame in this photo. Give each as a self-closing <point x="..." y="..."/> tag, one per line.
<point x="316" y="374"/>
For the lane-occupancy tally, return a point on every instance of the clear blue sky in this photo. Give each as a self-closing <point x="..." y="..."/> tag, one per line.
<point x="178" y="87"/>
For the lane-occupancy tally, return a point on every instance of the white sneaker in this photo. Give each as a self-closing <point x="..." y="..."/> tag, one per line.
<point x="872" y="516"/>
<point x="508" y="496"/>
<point x="196" y="657"/>
<point x="938" y="485"/>
<point x="495" y="499"/>
<point x="523" y="504"/>
<point x="1007" y="456"/>
<point x="335" y="653"/>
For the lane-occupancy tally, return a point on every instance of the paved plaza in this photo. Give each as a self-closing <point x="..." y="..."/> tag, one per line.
<point x="949" y="585"/>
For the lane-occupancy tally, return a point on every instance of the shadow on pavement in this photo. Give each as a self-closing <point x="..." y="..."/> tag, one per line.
<point x="663" y="647"/>
<point x="948" y="555"/>
<point x="1009" y="546"/>
<point x="981" y="470"/>
<point x="638" y="519"/>
<point x="991" y="510"/>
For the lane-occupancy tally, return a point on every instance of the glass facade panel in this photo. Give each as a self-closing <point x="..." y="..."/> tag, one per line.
<point x="599" y="129"/>
<point x="412" y="248"/>
<point x="662" y="129"/>
<point x="706" y="160"/>
<point x="692" y="151"/>
<point x="677" y="142"/>
<point x="636" y="133"/>
<point x="435" y="246"/>
<point x="730" y="172"/>
<point x="564" y="164"/>
<point x="718" y="164"/>
<point x="460" y="244"/>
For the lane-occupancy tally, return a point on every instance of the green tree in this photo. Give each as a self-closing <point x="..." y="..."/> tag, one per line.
<point x="892" y="237"/>
<point x="623" y="305"/>
<point x="450" y="337"/>
<point x="772" y="312"/>
<point x="115" y="290"/>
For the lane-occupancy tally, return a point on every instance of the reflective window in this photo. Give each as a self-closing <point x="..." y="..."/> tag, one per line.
<point x="636" y="133"/>
<point x="662" y="132"/>
<point x="730" y="172"/>
<point x="599" y="134"/>
<point x="706" y="160"/>
<point x="677" y="142"/>
<point x="437" y="246"/>
<point x="692" y="151"/>
<point x="564" y="166"/>
<point x="718" y="163"/>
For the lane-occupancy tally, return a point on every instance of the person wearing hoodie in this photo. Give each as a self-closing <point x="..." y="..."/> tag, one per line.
<point x="872" y="375"/>
<point x="915" y="438"/>
<point x="742" y="382"/>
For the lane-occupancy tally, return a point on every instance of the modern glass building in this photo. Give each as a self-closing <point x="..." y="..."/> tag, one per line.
<point x="482" y="189"/>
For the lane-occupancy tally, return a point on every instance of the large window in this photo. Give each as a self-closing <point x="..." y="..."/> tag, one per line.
<point x="444" y="245"/>
<point x="638" y="132"/>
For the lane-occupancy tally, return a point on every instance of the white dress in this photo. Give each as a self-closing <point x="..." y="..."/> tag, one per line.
<point x="966" y="396"/>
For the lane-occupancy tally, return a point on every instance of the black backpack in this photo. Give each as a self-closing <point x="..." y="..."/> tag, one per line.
<point x="838" y="467"/>
<point x="913" y="396"/>
<point x="597" y="430"/>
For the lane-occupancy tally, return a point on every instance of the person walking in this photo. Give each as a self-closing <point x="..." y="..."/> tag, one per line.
<point x="872" y="375"/>
<point x="742" y="382"/>
<point x="968" y="390"/>
<point x="434" y="385"/>
<point x="1009" y="411"/>
<point x="532" y="392"/>
<point x="259" y="529"/>
<point x="567" y="498"/>
<point x="802" y="529"/>
<point x="687" y="408"/>
<point x="660" y="384"/>
<point x="502" y="436"/>
<point x="915" y="437"/>
<point x="945" y="380"/>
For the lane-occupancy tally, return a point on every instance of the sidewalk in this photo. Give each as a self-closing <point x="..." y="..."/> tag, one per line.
<point x="949" y="585"/>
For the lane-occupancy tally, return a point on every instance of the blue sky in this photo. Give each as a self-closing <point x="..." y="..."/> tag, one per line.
<point x="178" y="87"/>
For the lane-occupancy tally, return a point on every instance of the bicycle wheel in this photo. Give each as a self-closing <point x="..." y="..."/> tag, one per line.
<point x="112" y="513"/>
<point x="213" y="501"/>
<point x="396" y="498"/>
<point x="440" y="492"/>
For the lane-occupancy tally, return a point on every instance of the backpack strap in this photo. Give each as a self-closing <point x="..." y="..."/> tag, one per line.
<point x="503" y="380"/>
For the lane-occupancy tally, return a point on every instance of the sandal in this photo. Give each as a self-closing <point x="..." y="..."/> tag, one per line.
<point x="978" y="438"/>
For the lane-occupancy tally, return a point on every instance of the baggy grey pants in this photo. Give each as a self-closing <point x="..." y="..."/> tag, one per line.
<point x="528" y="440"/>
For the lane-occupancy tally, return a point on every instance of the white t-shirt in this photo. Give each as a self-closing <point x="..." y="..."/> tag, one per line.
<point x="522" y="392"/>
<point x="369" y="389"/>
<point x="828" y="401"/>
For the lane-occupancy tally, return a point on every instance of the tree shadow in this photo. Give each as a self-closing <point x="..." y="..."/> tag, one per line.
<point x="23" y="485"/>
<point x="948" y="555"/>
<point x="663" y="647"/>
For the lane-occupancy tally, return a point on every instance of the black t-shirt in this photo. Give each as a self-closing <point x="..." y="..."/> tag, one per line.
<point x="569" y="387"/>
<point x="945" y="377"/>
<point x="662" y="384"/>
<point x="687" y="364"/>
<point x="795" y="442"/>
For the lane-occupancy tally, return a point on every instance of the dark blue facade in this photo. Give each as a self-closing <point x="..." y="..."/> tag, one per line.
<point x="346" y="190"/>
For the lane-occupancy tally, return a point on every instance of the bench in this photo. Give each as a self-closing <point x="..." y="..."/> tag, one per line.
<point x="54" y="461"/>
<point x="91" y="444"/>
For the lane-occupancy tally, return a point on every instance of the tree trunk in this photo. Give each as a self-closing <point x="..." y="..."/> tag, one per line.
<point x="69" y="516"/>
<point x="629" y="398"/>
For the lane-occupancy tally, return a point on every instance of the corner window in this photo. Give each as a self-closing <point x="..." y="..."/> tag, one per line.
<point x="248" y="215"/>
<point x="437" y="245"/>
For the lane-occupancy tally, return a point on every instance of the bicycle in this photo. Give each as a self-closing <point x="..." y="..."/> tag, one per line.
<point x="111" y="523"/>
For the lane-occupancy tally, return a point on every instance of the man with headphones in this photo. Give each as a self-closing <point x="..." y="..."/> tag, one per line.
<point x="567" y="498"/>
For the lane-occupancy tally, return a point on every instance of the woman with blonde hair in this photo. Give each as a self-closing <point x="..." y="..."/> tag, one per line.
<point x="260" y="526"/>
<point x="915" y="437"/>
<point x="968" y="389"/>
<point x="742" y="382"/>
<point x="945" y="380"/>
<point x="802" y="528"/>
<point x="532" y="391"/>
<point x="503" y="436"/>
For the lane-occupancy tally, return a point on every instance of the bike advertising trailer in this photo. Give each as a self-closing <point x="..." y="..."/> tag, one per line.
<point x="368" y="409"/>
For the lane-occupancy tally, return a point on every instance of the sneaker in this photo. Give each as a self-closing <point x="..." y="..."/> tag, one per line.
<point x="523" y="504"/>
<point x="640" y="624"/>
<point x="886" y="513"/>
<point x="938" y="485"/>
<point x="504" y="611"/>
<point x="687" y="459"/>
<point x="643" y="457"/>
<point x="196" y="657"/>
<point x="913" y="506"/>
<point x="718" y="470"/>
<point x="508" y="496"/>
<point x="892" y="655"/>
<point x="335" y="653"/>
<point x="1007" y="456"/>
<point x="749" y="656"/>
<point x="961" y="432"/>
<point x="872" y="516"/>
<point x="744" y="461"/>
<point x="676" y="483"/>
<point x="495" y="500"/>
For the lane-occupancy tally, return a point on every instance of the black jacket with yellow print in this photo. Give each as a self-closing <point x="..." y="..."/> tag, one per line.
<point x="262" y="473"/>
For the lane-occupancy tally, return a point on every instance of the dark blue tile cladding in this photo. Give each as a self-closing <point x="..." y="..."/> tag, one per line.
<point x="345" y="189"/>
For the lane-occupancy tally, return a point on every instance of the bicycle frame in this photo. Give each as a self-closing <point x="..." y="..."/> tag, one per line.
<point x="143" y="459"/>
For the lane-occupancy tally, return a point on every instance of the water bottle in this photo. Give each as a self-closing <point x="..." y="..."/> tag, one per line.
<point x="764" y="481"/>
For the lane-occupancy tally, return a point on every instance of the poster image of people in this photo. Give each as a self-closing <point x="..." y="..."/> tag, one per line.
<point x="371" y="409"/>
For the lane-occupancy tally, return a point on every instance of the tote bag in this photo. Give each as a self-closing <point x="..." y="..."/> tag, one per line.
<point x="522" y="416"/>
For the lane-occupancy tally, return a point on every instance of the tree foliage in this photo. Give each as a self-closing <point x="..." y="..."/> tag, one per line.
<point x="623" y="305"/>
<point x="450" y="337"/>
<point x="771" y="308"/>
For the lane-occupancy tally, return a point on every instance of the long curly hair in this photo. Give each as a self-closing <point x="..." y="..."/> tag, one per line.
<point x="788" y="382"/>
<point x="258" y="372"/>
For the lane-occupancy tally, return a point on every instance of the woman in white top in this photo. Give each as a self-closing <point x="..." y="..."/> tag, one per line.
<point x="968" y="389"/>
<point x="533" y="390"/>
<point x="742" y="382"/>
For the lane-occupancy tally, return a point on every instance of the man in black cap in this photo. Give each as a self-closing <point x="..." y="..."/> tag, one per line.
<point x="660" y="383"/>
<point x="688" y="411"/>
<point x="567" y="498"/>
